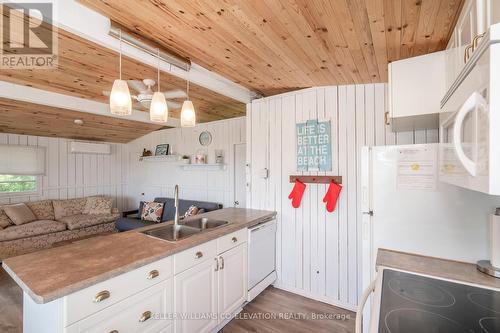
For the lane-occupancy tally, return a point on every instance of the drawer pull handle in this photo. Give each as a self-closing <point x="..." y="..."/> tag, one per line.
<point x="153" y="274"/>
<point x="145" y="316"/>
<point x="114" y="331"/>
<point x="221" y="263"/>
<point x="234" y="239"/>
<point x="216" y="264"/>
<point x="101" y="296"/>
<point x="198" y="255"/>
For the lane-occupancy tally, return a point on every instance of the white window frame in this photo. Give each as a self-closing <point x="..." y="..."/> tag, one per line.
<point x="37" y="192"/>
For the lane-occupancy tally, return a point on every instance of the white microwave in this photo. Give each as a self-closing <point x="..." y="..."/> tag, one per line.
<point x="469" y="136"/>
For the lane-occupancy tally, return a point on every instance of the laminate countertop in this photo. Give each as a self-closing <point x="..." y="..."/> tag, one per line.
<point x="447" y="269"/>
<point x="50" y="274"/>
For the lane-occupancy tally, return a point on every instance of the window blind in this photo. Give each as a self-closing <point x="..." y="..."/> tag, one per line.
<point x="22" y="160"/>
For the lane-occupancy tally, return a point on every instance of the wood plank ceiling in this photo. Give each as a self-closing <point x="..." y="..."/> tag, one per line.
<point x="273" y="46"/>
<point x="86" y="69"/>
<point x="33" y="119"/>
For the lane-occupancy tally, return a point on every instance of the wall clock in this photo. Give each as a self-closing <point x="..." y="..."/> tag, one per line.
<point x="205" y="138"/>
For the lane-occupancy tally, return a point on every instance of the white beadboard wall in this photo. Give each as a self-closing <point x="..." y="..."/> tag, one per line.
<point x="318" y="252"/>
<point x="74" y="175"/>
<point x="156" y="179"/>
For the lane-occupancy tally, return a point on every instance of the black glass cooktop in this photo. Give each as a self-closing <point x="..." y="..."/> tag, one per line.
<point x="417" y="304"/>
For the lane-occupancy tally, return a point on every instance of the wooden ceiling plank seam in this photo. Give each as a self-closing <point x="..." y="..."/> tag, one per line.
<point x="392" y="10"/>
<point x="410" y="10"/>
<point x="375" y="11"/>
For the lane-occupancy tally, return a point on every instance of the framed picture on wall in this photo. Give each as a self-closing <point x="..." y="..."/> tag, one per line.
<point x="162" y="149"/>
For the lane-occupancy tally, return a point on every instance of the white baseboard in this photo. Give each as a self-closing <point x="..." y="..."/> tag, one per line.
<point x="316" y="297"/>
<point x="255" y="291"/>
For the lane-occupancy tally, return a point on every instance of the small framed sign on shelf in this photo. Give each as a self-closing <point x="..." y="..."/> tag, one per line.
<point x="162" y="150"/>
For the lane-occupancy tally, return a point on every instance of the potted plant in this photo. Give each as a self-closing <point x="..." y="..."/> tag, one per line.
<point x="185" y="159"/>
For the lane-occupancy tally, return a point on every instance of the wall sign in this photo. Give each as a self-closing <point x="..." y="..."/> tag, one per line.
<point x="314" y="147"/>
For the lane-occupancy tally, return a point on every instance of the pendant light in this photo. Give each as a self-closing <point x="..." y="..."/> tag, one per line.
<point x="188" y="115"/>
<point x="120" y="102"/>
<point x="158" y="110"/>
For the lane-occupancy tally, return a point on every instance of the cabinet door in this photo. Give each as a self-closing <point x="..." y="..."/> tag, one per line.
<point x="232" y="279"/>
<point x="466" y="30"/>
<point x="196" y="298"/>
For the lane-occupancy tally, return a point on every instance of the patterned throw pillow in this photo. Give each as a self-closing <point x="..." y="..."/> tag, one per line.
<point x="5" y="221"/>
<point x="98" y="205"/>
<point x="43" y="210"/>
<point x="151" y="211"/>
<point x="192" y="210"/>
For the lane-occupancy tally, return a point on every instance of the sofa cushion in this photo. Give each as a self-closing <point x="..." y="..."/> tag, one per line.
<point x="19" y="213"/>
<point x="68" y="207"/>
<point x="86" y="220"/>
<point x="98" y="205"/>
<point x="35" y="228"/>
<point x="169" y="210"/>
<point x="126" y="224"/>
<point x="43" y="210"/>
<point x="5" y="221"/>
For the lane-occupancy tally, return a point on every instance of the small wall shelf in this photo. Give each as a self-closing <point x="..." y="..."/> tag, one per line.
<point x="316" y="179"/>
<point x="206" y="167"/>
<point x="162" y="158"/>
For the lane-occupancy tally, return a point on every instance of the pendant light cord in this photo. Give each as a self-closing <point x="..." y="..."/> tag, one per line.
<point x="188" y="87"/>
<point x="158" y="69"/>
<point x="120" y="54"/>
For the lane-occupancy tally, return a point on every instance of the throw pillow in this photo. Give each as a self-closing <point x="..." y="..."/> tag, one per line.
<point x="192" y="210"/>
<point x="43" y="210"/>
<point x="4" y="220"/>
<point x="19" y="213"/>
<point x="68" y="207"/>
<point x="152" y="211"/>
<point x="98" y="205"/>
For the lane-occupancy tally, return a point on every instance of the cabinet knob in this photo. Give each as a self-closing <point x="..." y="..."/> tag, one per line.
<point x="234" y="239"/>
<point x="198" y="255"/>
<point x="101" y="296"/>
<point x="145" y="316"/>
<point x="153" y="274"/>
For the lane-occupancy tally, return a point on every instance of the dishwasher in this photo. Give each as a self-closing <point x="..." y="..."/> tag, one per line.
<point x="261" y="257"/>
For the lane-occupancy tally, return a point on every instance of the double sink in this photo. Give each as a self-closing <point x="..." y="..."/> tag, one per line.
<point x="172" y="232"/>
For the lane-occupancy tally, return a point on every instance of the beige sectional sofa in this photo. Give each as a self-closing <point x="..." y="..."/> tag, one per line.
<point x="31" y="226"/>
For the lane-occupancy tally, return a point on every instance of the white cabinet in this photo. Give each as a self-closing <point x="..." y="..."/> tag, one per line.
<point x="416" y="87"/>
<point x="196" y="298"/>
<point x="232" y="279"/>
<point x="474" y="20"/>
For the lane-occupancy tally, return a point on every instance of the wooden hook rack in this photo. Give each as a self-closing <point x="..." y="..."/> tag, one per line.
<point x="316" y="179"/>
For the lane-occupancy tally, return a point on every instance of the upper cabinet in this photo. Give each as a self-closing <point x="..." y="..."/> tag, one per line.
<point x="475" y="19"/>
<point x="416" y="87"/>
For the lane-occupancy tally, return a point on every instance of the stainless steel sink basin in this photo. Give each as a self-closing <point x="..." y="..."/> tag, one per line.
<point x="172" y="233"/>
<point x="204" y="223"/>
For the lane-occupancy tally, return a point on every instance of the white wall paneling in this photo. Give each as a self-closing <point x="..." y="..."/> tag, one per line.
<point x="74" y="175"/>
<point x="318" y="252"/>
<point x="154" y="179"/>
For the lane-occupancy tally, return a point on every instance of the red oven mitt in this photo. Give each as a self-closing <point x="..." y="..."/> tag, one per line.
<point x="331" y="196"/>
<point x="296" y="194"/>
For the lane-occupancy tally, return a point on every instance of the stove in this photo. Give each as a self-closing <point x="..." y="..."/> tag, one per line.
<point x="417" y="304"/>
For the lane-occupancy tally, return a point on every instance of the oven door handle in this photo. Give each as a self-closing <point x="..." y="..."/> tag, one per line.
<point x="472" y="103"/>
<point x="359" y="312"/>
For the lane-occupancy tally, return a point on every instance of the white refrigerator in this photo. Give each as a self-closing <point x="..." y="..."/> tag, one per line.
<point x="404" y="207"/>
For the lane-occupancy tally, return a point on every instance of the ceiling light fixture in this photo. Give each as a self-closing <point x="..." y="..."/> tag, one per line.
<point x="158" y="110"/>
<point x="120" y="102"/>
<point x="188" y="114"/>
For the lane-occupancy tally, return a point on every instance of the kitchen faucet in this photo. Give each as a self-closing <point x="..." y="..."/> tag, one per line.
<point x="176" y="205"/>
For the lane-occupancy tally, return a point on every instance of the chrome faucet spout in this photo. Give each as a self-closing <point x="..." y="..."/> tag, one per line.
<point x="176" y="205"/>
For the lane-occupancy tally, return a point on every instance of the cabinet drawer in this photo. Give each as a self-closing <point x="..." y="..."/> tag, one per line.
<point x="100" y="296"/>
<point x="146" y="311"/>
<point x="232" y="240"/>
<point x="194" y="256"/>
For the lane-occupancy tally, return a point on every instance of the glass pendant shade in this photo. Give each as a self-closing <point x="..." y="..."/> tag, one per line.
<point x="188" y="116"/>
<point x="158" y="111"/>
<point x="120" y="101"/>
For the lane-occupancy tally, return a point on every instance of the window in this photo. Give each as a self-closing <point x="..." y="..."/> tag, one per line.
<point x="17" y="183"/>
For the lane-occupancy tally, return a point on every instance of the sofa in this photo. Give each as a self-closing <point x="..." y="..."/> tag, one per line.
<point x="132" y="219"/>
<point x="30" y="226"/>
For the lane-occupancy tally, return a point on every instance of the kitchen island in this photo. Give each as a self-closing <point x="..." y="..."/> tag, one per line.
<point x="102" y="282"/>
